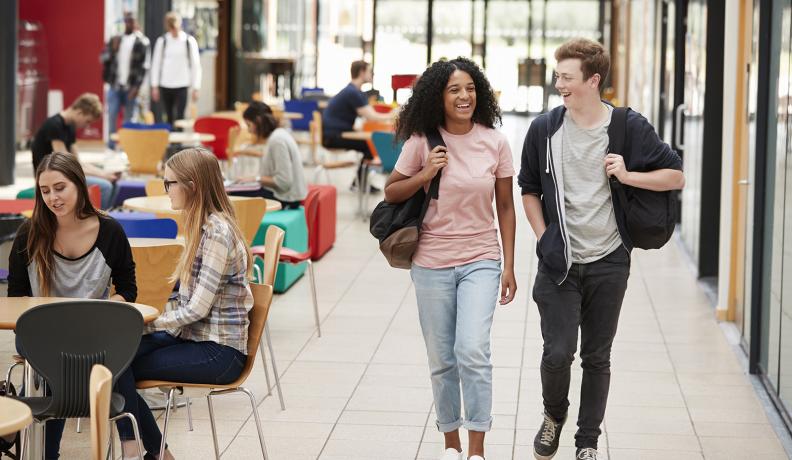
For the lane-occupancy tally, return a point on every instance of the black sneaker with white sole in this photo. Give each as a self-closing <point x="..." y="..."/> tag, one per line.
<point x="546" y="440"/>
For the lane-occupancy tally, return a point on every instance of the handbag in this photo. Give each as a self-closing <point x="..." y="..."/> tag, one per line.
<point x="397" y="226"/>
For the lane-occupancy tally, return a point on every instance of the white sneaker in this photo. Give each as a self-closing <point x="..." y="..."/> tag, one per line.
<point x="451" y="454"/>
<point x="476" y="457"/>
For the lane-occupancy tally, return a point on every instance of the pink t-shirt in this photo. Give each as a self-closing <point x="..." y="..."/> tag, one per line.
<point x="459" y="227"/>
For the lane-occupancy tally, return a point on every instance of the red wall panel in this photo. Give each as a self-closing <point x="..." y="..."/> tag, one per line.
<point x="75" y="34"/>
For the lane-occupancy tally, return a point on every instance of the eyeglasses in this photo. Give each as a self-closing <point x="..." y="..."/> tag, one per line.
<point x="168" y="183"/>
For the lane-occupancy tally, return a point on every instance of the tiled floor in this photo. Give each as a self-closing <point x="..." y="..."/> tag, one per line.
<point x="362" y="391"/>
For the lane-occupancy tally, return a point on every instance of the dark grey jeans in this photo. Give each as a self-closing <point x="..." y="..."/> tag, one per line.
<point x="590" y="299"/>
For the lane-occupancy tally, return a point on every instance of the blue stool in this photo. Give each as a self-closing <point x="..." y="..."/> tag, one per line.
<point x="129" y="189"/>
<point x="292" y="221"/>
<point x="149" y="228"/>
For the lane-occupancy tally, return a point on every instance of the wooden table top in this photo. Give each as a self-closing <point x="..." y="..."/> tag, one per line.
<point x="155" y="242"/>
<point x="356" y="135"/>
<point x="161" y="204"/>
<point x="178" y="137"/>
<point x="11" y="308"/>
<point x="14" y="415"/>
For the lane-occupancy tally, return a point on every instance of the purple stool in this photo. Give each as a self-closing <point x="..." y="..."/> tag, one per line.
<point x="129" y="189"/>
<point x="3" y="275"/>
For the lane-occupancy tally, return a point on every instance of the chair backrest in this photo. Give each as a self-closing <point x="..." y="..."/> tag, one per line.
<point x="155" y="263"/>
<point x="387" y="149"/>
<point x="311" y="206"/>
<point x="95" y="195"/>
<point x="133" y="125"/>
<point x="63" y="340"/>
<point x="306" y="91"/>
<point x="262" y="299"/>
<point x="249" y="213"/>
<point x="101" y="384"/>
<point x="273" y="242"/>
<point x="306" y="108"/>
<point x="144" y="148"/>
<point x="149" y="228"/>
<point x="155" y="187"/>
<point x="382" y="108"/>
<point x="219" y="127"/>
<point x="402" y="81"/>
<point x="9" y="224"/>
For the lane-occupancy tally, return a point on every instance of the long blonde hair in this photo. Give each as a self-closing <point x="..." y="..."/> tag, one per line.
<point x="198" y="171"/>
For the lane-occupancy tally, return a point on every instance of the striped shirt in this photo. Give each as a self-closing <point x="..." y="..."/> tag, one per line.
<point x="214" y="305"/>
<point x="587" y="199"/>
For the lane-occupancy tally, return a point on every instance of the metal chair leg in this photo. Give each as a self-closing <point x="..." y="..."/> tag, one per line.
<point x="212" y="423"/>
<point x="258" y="421"/>
<point x="167" y="417"/>
<point x="274" y="367"/>
<point x="266" y="368"/>
<point x="112" y="443"/>
<point x="135" y="430"/>
<point x="189" y="415"/>
<point x="313" y="295"/>
<point x="79" y="430"/>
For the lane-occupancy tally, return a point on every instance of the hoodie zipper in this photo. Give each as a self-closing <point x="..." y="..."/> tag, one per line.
<point x="550" y="169"/>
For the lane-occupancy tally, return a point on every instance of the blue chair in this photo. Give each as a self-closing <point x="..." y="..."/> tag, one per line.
<point x="133" y="125"/>
<point x="387" y="149"/>
<point x="311" y="92"/>
<point x="306" y="108"/>
<point x="149" y="228"/>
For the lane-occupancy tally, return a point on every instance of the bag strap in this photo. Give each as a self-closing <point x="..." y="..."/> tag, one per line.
<point x="434" y="139"/>
<point x="617" y="134"/>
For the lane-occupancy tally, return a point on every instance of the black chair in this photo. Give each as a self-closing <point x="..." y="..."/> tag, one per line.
<point x="63" y="340"/>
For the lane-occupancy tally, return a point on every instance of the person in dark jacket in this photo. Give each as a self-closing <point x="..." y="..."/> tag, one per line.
<point x="582" y="245"/>
<point x="125" y="61"/>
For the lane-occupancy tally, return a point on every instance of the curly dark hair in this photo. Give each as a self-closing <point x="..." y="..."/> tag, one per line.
<point x="424" y="110"/>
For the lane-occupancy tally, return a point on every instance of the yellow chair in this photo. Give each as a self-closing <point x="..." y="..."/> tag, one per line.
<point x="262" y="299"/>
<point x="155" y="187"/>
<point x="249" y="213"/>
<point x="155" y="263"/>
<point x="144" y="148"/>
<point x="100" y="384"/>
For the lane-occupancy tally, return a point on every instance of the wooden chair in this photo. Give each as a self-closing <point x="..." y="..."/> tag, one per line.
<point x="100" y="386"/>
<point x="144" y="148"/>
<point x="273" y="244"/>
<point x="155" y="187"/>
<point x="322" y="165"/>
<point x="262" y="299"/>
<point x="155" y="262"/>
<point x="249" y="213"/>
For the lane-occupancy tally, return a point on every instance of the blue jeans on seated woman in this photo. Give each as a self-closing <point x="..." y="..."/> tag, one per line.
<point x="107" y="189"/>
<point x="162" y="356"/>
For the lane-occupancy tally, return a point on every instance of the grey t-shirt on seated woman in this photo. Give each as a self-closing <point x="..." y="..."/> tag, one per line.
<point x="282" y="161"/>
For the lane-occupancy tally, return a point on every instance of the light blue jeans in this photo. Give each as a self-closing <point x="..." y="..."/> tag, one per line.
<point x="456" y="306"/>
<point x="107" y="189"/>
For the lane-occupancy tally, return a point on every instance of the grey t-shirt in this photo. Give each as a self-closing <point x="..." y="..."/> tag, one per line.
<point x="280" y="160"/>
<point x="590" y="220"/>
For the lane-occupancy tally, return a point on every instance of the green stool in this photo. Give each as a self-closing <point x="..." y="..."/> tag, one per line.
<point x="28" y="193"/>
<point x="291" y="221"/>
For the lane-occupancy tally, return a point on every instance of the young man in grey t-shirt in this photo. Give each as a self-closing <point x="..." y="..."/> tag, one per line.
<point x="583" y="247"/>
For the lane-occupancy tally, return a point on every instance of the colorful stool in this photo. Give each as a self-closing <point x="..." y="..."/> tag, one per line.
<point x="291" y="221"/>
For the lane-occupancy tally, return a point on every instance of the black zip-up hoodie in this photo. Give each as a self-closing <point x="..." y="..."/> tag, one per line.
<point x="541" y="174"/>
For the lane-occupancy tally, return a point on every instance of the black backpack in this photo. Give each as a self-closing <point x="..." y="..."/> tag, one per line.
<point x="650" y="217"/>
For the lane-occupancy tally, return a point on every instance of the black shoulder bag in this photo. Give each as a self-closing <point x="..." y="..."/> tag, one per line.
<point x="397" y="225"/>
<point x="649" y="215"/>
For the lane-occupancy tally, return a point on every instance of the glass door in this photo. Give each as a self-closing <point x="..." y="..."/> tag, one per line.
<point x="511" y="73"/>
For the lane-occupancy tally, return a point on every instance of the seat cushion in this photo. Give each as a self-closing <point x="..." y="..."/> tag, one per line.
<point x="291" y="221"/>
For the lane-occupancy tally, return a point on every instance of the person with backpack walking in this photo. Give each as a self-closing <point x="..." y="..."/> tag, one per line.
<point x="574" y="186"/>
<point x="175" y="69"/>
<point x="456" y="268"/>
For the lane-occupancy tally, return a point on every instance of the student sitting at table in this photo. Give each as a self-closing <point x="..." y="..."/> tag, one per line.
<point x="58" y="133"/>
<point x="68" y="249"/>
<point x="204" y="338"/>
<point x="280" y="171"/>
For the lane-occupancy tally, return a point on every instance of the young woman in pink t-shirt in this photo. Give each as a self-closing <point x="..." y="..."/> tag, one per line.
<point x="458" y="269"/>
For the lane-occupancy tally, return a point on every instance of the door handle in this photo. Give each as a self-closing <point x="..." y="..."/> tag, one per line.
<point x="678" y="112"/>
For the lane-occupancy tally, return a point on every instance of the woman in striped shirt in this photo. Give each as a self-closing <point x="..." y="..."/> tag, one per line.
<point x="203" y="339"/>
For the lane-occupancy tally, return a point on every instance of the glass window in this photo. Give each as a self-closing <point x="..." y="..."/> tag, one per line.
<point x="343" y="27"/>
<point x="452" y="29"/>
<point x="510" y="72"/>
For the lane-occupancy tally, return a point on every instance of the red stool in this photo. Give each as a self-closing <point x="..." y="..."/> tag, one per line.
<point x="401" y="81"/>
<point x="322" y="229"/>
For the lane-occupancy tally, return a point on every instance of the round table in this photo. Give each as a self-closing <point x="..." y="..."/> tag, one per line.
<point x="356" y="135"/>
<point x="161" y="204"/>
<point x="178" y="137"/>
<point x="11" y="308"/>
<point x="14" y="415"/>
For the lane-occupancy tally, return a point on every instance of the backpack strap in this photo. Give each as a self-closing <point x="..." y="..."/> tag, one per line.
<point x="617" y="135"/>
<point x="434" y="139"/>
